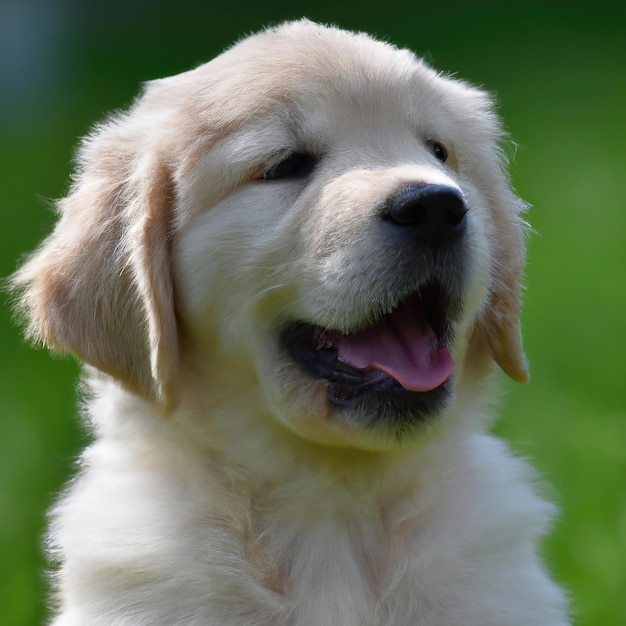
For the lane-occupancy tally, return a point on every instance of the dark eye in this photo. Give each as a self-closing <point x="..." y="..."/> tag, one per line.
<point x="294" y="165"/>
<point x="439" y="151"/>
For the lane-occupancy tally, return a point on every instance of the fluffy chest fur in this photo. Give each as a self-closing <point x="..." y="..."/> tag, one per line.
<point x="178" y="534"/>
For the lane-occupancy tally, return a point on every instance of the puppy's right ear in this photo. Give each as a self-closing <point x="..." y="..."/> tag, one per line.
<point x="100" y="285"/>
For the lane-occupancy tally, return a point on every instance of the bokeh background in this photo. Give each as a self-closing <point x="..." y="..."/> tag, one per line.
<point x="559" y="74"/>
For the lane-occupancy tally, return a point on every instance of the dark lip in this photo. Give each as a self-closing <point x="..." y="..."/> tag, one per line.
<point x="390" y="409"/>
<point x="349" y="387"/>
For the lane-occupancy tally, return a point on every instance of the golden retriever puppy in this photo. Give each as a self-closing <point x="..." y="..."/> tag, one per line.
<point x="289" y="272"/>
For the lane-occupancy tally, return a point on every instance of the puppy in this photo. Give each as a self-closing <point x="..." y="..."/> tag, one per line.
<point x="288" y="273"/>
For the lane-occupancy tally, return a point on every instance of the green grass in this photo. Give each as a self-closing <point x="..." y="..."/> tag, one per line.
<point x="559" y="76"/>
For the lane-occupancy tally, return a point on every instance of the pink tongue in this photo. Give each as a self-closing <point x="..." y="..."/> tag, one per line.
<point x="404" y="346"/>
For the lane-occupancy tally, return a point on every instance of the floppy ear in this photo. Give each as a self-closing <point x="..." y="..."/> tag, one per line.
<point x="502" y="319"/>
<point x="100" y="285"/>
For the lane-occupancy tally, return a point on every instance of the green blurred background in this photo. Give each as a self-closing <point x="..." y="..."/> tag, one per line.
<point x="559" y="73"/>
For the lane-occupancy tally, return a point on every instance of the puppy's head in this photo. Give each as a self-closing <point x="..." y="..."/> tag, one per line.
<point x="321" y="205"/>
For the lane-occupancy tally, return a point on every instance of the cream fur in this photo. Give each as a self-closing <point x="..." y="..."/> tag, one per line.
<point x="222" y="487"/>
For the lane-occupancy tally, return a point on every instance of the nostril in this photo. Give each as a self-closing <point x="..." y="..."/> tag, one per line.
<point x="408" y="209"/>
<point x="414" y="215"/>
<point x="456" y="216"/>
<point x="435" y="212"/>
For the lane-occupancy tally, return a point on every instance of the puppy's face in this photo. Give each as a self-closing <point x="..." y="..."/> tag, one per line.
<point x="338" y="231"/>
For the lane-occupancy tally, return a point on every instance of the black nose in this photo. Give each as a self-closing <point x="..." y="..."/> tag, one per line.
<point x="435" y="212"/>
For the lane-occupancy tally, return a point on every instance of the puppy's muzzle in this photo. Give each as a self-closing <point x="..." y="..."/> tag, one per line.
<point x="435" y="213"/>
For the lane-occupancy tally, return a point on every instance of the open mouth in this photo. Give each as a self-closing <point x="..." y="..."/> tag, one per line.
<point x="402" y="358"/>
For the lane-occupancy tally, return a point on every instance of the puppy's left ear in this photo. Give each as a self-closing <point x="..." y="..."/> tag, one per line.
<point x="502" y="326"/>
<point x="100" y="285"/>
